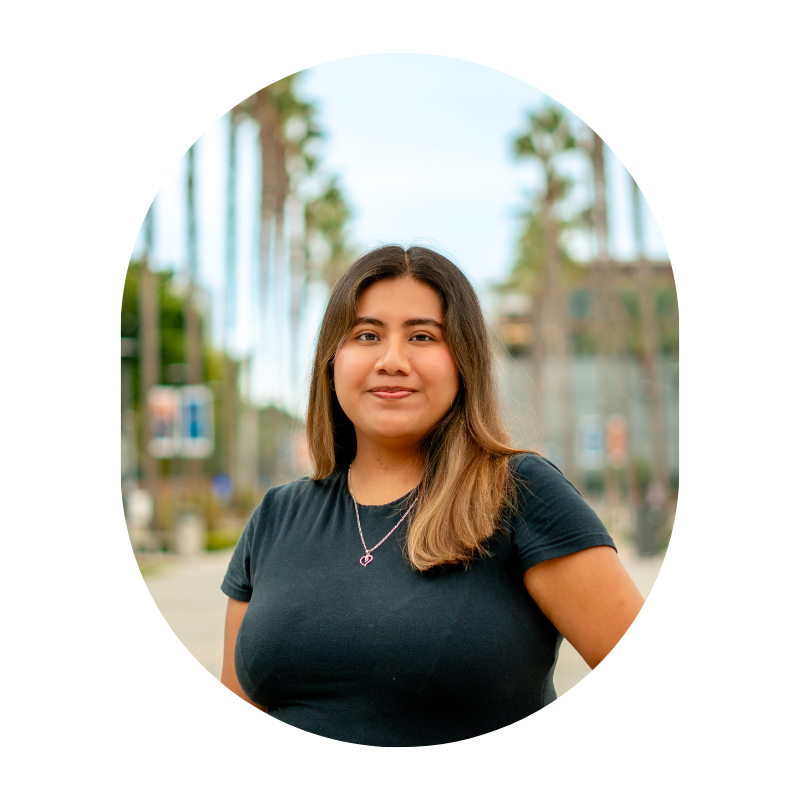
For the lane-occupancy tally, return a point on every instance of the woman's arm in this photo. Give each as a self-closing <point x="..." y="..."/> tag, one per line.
<point x="233" y="619"/>
<point x="589" y="597"/>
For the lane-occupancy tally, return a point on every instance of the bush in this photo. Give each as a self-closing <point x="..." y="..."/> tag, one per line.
<point x="222" y="539"/>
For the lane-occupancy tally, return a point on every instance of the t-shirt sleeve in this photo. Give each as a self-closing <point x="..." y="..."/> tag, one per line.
<point x="237" y="583"/>
<point x="552" y="519"/>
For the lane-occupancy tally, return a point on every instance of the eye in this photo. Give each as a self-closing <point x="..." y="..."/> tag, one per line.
<point x="422" y="337"/>
<point x="364" y="337"/>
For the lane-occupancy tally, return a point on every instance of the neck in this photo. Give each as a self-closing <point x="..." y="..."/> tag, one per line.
<point x="378" y="476"/>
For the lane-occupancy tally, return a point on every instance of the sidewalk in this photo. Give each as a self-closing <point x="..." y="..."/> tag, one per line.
<point x="186" y="591"/>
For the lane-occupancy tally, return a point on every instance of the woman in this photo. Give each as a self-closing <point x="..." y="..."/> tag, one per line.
<point x="414" y="590"/>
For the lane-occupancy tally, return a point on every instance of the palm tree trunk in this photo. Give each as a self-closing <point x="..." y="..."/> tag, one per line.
<point x="267" y="119"/>
<point x="650" y="346"/>
<point x="560" y="349"/>
<point x="149" y="334"/>
<point x="557" y="339"/>
<point x="279" y="297"/>
<point x="246" y="475"/>
<point x="601" y="289"/>
<point x="613" y="379"/>
<point x="194" y="366"/>
<point x="297" y="271"/>
<point x="194" y="371"/>
<point x="230" y="396"/>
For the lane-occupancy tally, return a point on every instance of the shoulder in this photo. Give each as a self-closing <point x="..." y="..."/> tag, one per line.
<point x="533" y="473"/>
<point x="303" y="491"/>
<point x="532" y="464"/>
<point x="284" y="507"/>
<point x="548" y="516"/>
<point x="536" y="481"/>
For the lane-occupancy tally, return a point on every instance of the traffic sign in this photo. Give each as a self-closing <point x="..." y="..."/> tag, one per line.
<point x="590" y="444"/>
<point x="617" y="441"/>
<point x="197" y="422"/>
<point x="163" y="417"/>
<point x="181" y="421"/>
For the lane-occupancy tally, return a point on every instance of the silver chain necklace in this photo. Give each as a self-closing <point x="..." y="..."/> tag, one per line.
<point x="367" y="557"/>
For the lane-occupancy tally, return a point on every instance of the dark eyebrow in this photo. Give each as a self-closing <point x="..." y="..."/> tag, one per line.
<point x="409" y="323"/>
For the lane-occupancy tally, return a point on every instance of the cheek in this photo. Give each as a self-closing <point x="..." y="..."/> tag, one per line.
<point x="348" y="370"/>
<point x="445" y="369"/>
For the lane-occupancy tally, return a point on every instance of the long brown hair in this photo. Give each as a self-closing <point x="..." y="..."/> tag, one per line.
<point x="466" y="480"/>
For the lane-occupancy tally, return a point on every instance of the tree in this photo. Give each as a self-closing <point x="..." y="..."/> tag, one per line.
<point x="547" y="137"/>
<point x="650" y="344"/>
<point x="326" y="245"/>
<point x="170" y="358"/>
<point x="286" y="129"/>
<point x="287" y="133"/>
<point x="609" y="329"/>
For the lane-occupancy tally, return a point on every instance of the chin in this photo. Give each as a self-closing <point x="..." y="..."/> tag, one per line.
<point x="403" y="435"/>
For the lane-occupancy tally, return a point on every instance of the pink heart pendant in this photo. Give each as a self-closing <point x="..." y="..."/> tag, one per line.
<point x="364" y="560"/>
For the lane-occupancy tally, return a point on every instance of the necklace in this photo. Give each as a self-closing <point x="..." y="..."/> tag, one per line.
<point x="367" y="557"/>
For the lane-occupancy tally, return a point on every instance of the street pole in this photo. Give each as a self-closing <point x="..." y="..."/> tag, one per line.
<point x="650" y="343"/>
<point x="149" y="334"/>
<point x="194" y="368"/>
<point x="605" y="355"/>
<point x="230" y="394"/>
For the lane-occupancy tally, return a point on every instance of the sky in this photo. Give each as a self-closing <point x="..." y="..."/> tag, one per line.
<point x="421" y="146"/>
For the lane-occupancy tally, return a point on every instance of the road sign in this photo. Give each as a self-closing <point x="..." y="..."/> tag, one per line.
<point x="590" y="442"/>
<point x="163" y="417"/>
<point x="197" y="422"/>
<point x="617" y="441"/>
<point x="181" y="421"/>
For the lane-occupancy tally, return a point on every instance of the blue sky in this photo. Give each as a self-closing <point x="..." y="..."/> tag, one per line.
<point x="422" y="148"/>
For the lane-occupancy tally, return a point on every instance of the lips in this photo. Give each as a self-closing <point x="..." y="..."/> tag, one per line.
<point x="392" y="392"/>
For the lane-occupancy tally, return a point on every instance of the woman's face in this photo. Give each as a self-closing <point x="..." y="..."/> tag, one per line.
<point x="394" y="375"/>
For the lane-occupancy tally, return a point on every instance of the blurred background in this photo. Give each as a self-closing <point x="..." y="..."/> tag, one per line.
<point x="235" y="260"/>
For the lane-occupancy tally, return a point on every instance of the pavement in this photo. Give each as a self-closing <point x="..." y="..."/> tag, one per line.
<point x="186" y="591"/>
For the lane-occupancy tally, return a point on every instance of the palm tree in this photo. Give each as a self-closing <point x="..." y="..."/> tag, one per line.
<point x="192" y="343"/>
<point x="546" y="138"/>
<point x="326" y="245"/>
<point x="613" y="383"/>
<point x="230" y="394"/>
<point x="285" y="155"/>
<point x="650" y="346"/>
<point x="149" y="334"/>
<point x="194" y="367"/>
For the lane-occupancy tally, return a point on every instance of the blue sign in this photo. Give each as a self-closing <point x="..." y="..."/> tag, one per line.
<point x="591" y="442"/>
<point x="197" y="422"/>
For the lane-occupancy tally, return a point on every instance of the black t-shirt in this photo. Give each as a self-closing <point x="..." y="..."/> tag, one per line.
<point x="386" y="655"/>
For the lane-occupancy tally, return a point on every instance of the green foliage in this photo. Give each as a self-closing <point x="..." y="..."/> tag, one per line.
<point x="547" y="137"/>
<point x="171" y="321"/>
<point x="594" y="481"/>
<point x="297" y="118"/>
<point x="223" y="539"/>
<point x="643" y="473"/>
<point x="666" y="317"/>
<point x="295" y="138"/>
<point x="197" y="498"/>
<point x="327" y="216"/>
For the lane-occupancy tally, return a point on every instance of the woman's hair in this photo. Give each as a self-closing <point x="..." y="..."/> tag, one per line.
<point x="466" y="480"/>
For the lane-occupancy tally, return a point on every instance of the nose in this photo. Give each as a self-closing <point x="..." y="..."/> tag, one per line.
<point x="393" y="359"/>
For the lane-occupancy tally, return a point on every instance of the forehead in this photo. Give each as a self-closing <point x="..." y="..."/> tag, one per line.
<point x="400" y="297"/>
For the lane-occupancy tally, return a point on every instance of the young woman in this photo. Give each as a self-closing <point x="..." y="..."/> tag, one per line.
<point x="416" y="588"/>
